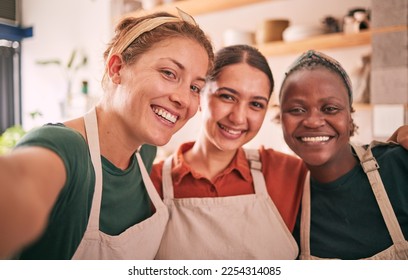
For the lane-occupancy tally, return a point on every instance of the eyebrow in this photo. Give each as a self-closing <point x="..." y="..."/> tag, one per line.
<point x="323" y="99"/>
<point x="181" y="66"/>
<point x="233" y="91"/>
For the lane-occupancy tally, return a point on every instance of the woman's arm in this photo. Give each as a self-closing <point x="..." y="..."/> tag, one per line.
<point x="30" y="181"/>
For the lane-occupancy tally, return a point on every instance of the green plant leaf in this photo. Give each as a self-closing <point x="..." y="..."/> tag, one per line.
<point x="50" y="61"/>
<point x="71" y="59"/>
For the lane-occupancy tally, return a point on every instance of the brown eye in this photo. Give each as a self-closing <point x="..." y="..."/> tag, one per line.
<point x="226" y="97"/>
<point x="297" y="111"/>
<point x="195" y="89"/>
<point x="331" y="109"/>
<point x="257" y="105"/>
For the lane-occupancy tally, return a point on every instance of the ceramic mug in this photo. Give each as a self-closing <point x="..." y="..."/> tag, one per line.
<point x="271" y="30"/>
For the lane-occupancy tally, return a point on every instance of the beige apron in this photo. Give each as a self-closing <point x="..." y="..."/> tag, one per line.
<point x="399" y="249"/>
<point x="140" y="241"/>
<point x="234" y="227"/>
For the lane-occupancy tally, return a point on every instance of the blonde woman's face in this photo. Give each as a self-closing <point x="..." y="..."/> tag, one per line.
<point x="234" y="106"/>
<point x="159" y="93"/>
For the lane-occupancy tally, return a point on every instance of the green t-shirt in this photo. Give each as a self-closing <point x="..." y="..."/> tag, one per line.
<point x="125" y="201"/>
<point x="346" y="222"/>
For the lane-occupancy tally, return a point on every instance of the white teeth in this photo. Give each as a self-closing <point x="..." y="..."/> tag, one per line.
<point x="315" y="139"/>
<point x="231" y="131"/>
<point x="165" y="114"/>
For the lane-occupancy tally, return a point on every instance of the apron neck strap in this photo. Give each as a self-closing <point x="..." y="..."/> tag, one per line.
<point x="168" y="190"/>
<point x="370" y="167"/>
<point x="91" y="130"/>
<point x="256" y="171"/>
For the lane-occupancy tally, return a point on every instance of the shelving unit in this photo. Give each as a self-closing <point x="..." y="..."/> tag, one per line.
<point x="199" y="7"/>
<point x="327" y="41"/>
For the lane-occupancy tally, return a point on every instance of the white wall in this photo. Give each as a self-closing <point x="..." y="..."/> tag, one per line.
<point x="60" y="26"/>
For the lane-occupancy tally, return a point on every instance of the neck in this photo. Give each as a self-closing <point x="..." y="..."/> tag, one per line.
<point x="115" y="142"/>
<point x="207" y="159"/>
<point x="334" y="169"/>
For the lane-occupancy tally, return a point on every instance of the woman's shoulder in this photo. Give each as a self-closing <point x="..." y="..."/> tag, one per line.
<point x="51" y="133"/>
<point x="67" y="143"/>
<point x="384" y="152"/>
<point x="278" y="156"/>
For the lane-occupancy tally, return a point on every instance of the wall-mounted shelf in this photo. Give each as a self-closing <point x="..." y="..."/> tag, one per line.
<point x="198" y="7"/>
<point x="321" y="42"/>
<point x="327" y="41"/>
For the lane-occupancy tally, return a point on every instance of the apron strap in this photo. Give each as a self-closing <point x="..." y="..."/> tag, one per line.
<point x="91" y="130"/>
<point x="305" y="220"/>
<point x="151" y="190"/>
<point x="167" y="180"/>
<point x="370" y="167"/>
<point x="256" y="171"/>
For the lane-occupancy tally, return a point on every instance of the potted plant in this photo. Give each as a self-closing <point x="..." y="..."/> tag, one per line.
<point x="76" y="61"/>
<point x="10" y="137"/>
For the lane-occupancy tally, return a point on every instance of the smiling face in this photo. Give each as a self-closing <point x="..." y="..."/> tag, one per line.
<point x="316" y="117"/>
<point x="157" y="94"/>
<point x="234" y="106"/>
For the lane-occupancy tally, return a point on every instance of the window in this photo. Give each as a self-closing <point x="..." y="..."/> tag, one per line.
<point x="10" y="93"/>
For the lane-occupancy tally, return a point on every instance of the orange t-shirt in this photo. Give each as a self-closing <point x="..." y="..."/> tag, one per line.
<point x="284" y="177"/>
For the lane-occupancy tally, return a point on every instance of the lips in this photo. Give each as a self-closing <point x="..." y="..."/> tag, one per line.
<point x="233" y="132"/>
<point x="165" y="114"/>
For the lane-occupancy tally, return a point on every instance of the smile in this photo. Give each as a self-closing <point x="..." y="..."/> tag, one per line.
<point x="315" y="139"/>
<point x="165" y="114"/>
<point x="230" y="131"/>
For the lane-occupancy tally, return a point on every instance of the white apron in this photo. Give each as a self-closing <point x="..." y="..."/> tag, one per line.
<point x="399" y="249"/>
<point x="140" y="241"/>
<point x="234" y="227"/>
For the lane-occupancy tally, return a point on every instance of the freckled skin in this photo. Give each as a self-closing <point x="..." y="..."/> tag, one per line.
<point x="164" y="77"/>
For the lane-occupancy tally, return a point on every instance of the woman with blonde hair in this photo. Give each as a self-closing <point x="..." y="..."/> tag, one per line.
<point x="80" y="189"/>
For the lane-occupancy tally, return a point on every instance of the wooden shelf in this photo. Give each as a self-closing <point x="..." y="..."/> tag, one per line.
<point x="198" y="7"/>
<point x="321" y="42"/>
<point x="327" y="41"/>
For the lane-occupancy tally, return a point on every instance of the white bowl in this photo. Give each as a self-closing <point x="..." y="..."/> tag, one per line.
<point x="300" y="32"/>
<point x="236" y="37"/>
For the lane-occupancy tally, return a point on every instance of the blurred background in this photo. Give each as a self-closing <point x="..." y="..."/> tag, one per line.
<point x="51" y="61"/>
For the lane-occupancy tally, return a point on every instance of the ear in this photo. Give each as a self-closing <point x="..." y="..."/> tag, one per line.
<point x="352" y="126"/>
<point x="115" y="64"/>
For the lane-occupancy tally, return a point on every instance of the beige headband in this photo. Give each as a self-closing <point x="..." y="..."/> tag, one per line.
<point x="145" y="26"/>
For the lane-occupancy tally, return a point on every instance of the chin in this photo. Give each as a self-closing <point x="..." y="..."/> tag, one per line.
<point x="315" y="162"/>
<point x="228" y="147"/>
<point x="159" y="140"/>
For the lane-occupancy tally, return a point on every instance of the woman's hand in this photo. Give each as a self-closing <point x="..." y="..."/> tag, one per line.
<point x="400" y="136"/>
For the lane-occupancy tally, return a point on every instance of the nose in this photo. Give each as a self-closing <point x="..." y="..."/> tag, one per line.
<point x="238" y="114"/>
<point x="314" y="119"/>
<point x="181" y="96"/>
